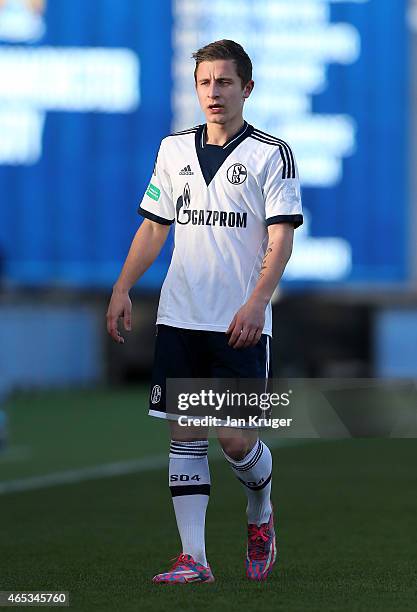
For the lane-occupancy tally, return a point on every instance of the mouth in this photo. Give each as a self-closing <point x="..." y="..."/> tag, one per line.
<point x="216" y="107"/>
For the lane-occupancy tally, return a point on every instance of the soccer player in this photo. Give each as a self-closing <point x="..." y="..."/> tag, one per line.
<point x="233" y="193"/>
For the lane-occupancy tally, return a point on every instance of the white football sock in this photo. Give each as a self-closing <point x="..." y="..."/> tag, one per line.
<point x="255" y="472"/>
<point x="189" y="482"/>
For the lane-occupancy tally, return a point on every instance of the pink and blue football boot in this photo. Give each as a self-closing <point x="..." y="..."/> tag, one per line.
<point x="185" y="570"/>
<point x="261" y="551"/>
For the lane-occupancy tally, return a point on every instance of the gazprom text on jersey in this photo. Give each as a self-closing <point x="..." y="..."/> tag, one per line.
<point x="213" y="217"/>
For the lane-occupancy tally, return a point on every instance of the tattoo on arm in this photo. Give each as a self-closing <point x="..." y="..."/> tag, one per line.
<point x="264" y="266"/>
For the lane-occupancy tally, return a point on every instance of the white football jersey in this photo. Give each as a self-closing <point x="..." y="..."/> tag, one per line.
<point x="221" y="199"/>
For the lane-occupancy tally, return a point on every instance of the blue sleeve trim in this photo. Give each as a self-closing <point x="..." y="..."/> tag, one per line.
<point x="295" y="220"/>
<point x="156" y="218"/>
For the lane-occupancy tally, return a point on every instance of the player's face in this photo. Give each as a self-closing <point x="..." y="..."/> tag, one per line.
<point x="219" y="91"/>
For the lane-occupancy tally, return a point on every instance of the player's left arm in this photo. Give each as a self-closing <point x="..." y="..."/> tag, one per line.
<point x="246" y="326"/>
<point x="283" y="214"/>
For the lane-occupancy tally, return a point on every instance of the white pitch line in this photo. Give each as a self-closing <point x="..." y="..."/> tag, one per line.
<point x="106" y="470"/>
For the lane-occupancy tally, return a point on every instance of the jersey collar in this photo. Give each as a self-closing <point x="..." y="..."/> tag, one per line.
<point x="212" y="157"/>
<point x="244" y="132"/>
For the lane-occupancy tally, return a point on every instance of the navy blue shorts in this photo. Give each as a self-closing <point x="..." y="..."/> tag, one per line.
<point x="189" y="353"/>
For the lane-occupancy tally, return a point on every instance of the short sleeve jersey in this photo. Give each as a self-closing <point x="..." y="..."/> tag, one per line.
<point x="221" y="200"/>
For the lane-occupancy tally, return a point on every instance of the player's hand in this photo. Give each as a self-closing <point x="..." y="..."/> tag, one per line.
<point x="246" y="326"/>
<point x="120" y="307"/>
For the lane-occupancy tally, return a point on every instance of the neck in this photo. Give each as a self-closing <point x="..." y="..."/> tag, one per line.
<point x="219" y="134"/>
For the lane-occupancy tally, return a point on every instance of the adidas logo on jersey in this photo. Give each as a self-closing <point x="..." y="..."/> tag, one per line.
<point x="187" y="170"/>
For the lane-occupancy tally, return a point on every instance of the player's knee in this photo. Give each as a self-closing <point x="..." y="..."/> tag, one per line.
<point x="187" y="434"/>
<point x="236" y="447"/>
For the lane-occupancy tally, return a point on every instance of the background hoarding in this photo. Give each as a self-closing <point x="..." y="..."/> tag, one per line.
<point x="85" y="102"/>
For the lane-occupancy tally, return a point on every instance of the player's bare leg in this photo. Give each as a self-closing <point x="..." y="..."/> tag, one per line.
<point x="189" y="483"/>
<point x="251" y="462"/>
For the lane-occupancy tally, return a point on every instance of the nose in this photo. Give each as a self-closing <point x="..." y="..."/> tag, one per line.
<point x="213" y="90"/>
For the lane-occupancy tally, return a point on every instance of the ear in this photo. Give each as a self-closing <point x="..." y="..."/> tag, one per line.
<point x="247" y="90"/>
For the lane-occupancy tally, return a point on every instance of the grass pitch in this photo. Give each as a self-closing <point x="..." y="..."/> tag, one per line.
<point x="346" y="517"/>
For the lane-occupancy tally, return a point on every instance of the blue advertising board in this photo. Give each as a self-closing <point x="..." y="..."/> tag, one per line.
<point x="88" y="89"/>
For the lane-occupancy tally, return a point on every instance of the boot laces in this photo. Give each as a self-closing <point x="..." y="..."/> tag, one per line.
<point x="182" y="559"/>
<point x="257" y="538"/>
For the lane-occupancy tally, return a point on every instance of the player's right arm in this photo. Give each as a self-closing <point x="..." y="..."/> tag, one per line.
<point x="145" y="248"/>
<point x="158" y="209"/>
